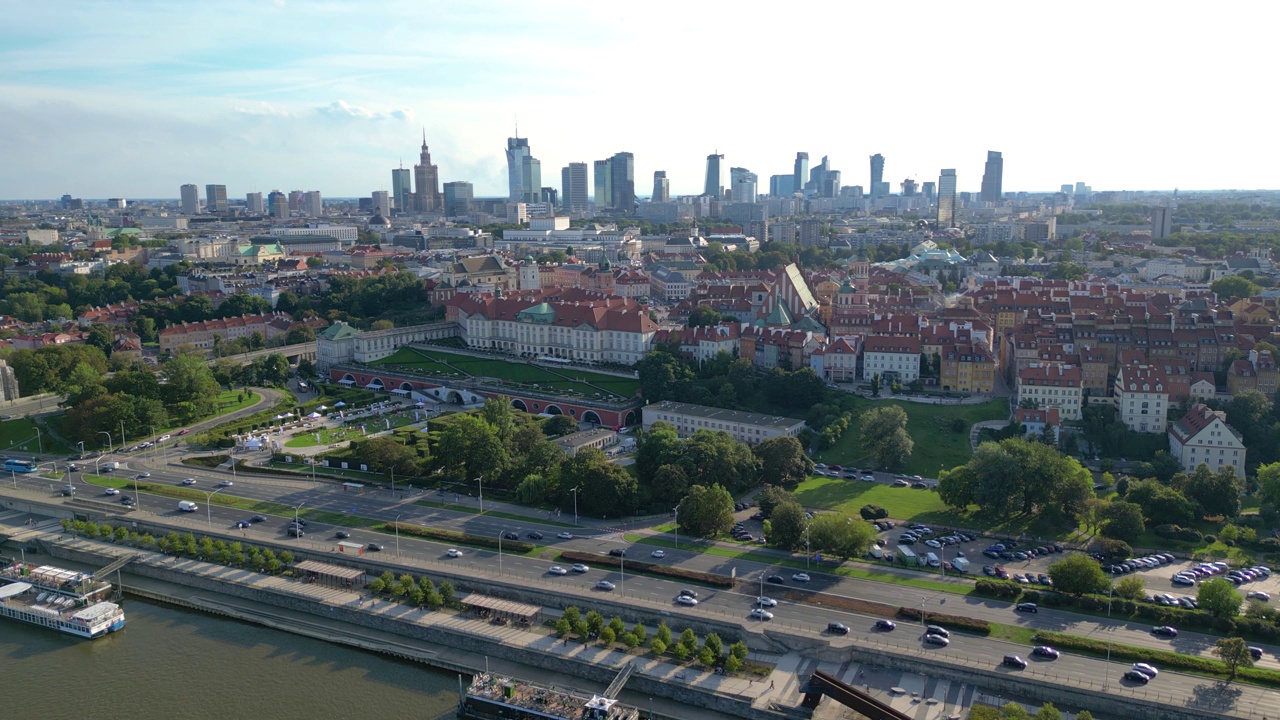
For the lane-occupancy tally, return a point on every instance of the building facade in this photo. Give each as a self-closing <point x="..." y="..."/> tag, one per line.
<point x="1052" y="385"/>
<point x="1204" y="437"/>
<point x="745" y="427"/>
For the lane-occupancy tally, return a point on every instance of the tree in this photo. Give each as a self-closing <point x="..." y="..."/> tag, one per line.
<point x="1234" y="286"/>
<point x="300" y="333"/>
<point x="606" y="489"/>
<point x="559" y="425"/>
<point x="1218" y="493"/>
<point x="1269" y="483"/>
<point x="469" y="448"/>
<point x="772" y="497"/>
<point x="1234" y="653"/>
<point x="191" y="391"/>
<point x="1161" y="501"/>
<point x="1048" y="712"/>
<point x="660" y="374"/>
<point x="386" y="455"/>
<point x="706" y="511"/>
<point x="1124" y="521"/>
<point x="703" y="315"/>
<point x="840" y="536"/>
<point x="714" y="457"/>
<point x="884" y="436"/>
<point x="1219" y="598"/>
<point x="1078" y="574"/>
<point x="788" y="523"/>
<point x="1017" y="474"/>
<point x="101" y="337"/>
<point x="663" y="633"/>
<point x="782" y="460"/>
<point x="1131" y="587"/>
<point x="659" y="445"/>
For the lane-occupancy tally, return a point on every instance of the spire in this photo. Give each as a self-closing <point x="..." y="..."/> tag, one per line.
<point x="424" y="137"/>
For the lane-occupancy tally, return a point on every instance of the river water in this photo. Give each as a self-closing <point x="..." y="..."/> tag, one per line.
<point x="171" y="663"/>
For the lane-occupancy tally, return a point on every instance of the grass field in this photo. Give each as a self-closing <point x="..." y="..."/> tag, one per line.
<point x="229" y="401"/>
<point x="937" y="446"/>
<point x="570" y="379"/>
<point x="328" y="436"/>
<point x="20" y="434"/>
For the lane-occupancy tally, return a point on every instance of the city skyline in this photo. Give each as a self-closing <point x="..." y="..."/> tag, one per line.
<point x="336" y="95"/>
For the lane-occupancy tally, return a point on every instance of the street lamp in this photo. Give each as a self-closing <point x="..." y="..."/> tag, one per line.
<point x="398" y="533"/>
<point x="480" y="480"/>
<point x="208" y="510"/>
<point x="122" y="440"/>
<point x="39" y="440"/>
<point x="500" y="534"/>
<point x="922" y="600"/>
<point x="677" y="527"/>
<point x="807" y="554"/>
<point x="104" y="432"/>
<point x="81" y="444"/>
<point x="295" y="517"/>
<point x="575" y="503"/>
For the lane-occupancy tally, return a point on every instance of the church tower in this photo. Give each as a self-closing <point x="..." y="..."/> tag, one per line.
<point x="427" y="180"/>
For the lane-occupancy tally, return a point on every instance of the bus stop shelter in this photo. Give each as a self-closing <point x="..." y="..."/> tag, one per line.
<point x="502" y="610"/>
<point x="338" y="576"/>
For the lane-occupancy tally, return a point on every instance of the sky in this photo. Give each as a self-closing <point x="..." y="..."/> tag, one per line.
<point x="133" y="98"/>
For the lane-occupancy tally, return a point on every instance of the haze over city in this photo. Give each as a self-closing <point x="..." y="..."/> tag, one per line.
<point x="139" y="98"/>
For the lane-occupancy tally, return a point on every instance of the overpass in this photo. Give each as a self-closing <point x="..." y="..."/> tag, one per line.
<point x="293" y="353"/>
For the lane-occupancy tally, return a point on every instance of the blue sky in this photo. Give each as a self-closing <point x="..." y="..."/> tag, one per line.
<point x="133" y="98"/>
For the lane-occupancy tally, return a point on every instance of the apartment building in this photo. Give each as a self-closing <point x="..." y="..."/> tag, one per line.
<point x="1204" y="437"/>
<point x="1052" y="385"/>
<point x="745" y="427"/>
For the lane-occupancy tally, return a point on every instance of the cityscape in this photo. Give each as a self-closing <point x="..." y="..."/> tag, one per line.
<point x="810" y="406"/>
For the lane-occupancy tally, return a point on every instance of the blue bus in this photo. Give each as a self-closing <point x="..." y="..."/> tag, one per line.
<point x="21" y="466"/>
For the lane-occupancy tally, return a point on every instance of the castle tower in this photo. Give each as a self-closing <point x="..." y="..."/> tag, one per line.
<point x="529" y="275"/>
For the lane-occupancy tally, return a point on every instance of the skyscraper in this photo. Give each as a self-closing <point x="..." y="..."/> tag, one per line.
<point x="993" y="178"/>
<point x="253" y="203"/>
<point x="278" y="204"/>
<point x="877" y="174"/>
<point x="713" y="186"/>
<point x="929" y="189"/>
<point x="782" y="185"/>
<point x="524" y="172"/>
<point x="799" y="173"/>
<point x="382" y="203"/>
<point x="312" y="206"/>
<point x="742" y="184"/>
<point x="190" y="199"/>
<point x="215" y="198"/>
<point x="573" y="187"/>
<point x="661" y="187"/>
<point x="604" y="184"/>
<point x="1161" y="222"/>
<point x="909" y="188"/>
<point x="622" y="178"/>
<point x="402" y="189"/>
<point x="427" y="176"/>
<point x="947" y="198"/>
<point x="457" y="198"/>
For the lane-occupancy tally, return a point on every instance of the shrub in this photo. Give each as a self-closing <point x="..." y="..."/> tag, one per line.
<point x="959" y="622"/>
<point x="1113" y="549"/>
<point x="712" y="579"/>
<point x="1177" y="532"/>
<point x="657" y="646"/>
<point x="873" y="512"/>
<point x="452" y="536"/>
<point x="998" y="588"/>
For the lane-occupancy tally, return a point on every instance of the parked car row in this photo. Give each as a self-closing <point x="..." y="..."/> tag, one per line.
<point x="1142" y="563"/>
<point x="1006" y="550"/>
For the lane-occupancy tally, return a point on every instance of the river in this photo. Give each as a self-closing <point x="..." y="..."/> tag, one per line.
<point x="169" y="663"/>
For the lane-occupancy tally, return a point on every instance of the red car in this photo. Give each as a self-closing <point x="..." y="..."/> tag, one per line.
<point x="184" y="431"/>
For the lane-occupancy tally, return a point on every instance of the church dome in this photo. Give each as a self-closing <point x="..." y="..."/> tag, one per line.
<point x="380" y="220"/>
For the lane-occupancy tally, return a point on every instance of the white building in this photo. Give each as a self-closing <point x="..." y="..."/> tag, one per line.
<point x="745" y="427"/>
<point x="1141" y="394"/>
<point x="891" y="358"/>
<point x="837" y="360"/>
<point x="345" y="233"/>
<point x="1204" y="437"/>
<point x="1052" y="385"/>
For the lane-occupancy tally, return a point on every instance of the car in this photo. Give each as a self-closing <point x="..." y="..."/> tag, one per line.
<point x="580" y="568"/>
<point x="1183" y="580"/>
<point x="1044" y="579"/>
<point x="68" y="490"/>
<point x="1136" y="677"/>
<point x="342" y="534"/>
<point x="837" y="628"/>
<point x="377" y="547"/>
<point x="565" y="536"/>
<point x="301" y="521"/>
<point x="258" y="518"/>
<point x="557" y="570"/>
<point x="761" y="614"/>
<point x="988" y="570"/>
<point x="111" y="491"/>
<point x="936" y="640"/>
<point x="510" y="536"/>
<point x="1148" y="670"/>
<point x="189" y="481"/>
<point x="919" y="486"/>
<point x="820" y="466"/>
<point x="686" y="600"/>
<point x="901" y="483"/>
<point x="225" y="483"/>
<point x="935" y="630"/>
<point x="933" y="544"/>
<point x="242" y="524"/>
<point x="1258" y="595"/>
<point x="658" y="554"/>
<point x="800" y="577"/>
<point x="1165" y="631"/>
<point x="1045" y="651"/>
<point x="127" y="500"/>
<point x="1027" y="607"/>
<point x="162" y="438"/>
<point x="1256" y="652"/>
<point x="296" y="532"/>
<point x="763" y="601"/>
<point x="184" y="431"/>
<point x="535" y="535"/>
<point x="885" y="625"/>
<point x="604" y="585"/>
<point x="775" y="579"/>
<point x="144" y="475"/>
<point x="617" y="552"/>
<point x="686" y="592"/>
<point x="1014" y="661"/>
<point x="72" y="467"/>
<point x="6" y="417"/>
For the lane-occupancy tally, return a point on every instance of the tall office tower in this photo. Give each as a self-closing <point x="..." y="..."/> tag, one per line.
<point x="993" y="178"/>
<point x="799" y="173"/>
<point x="947" y="198"/>
<point x="929" y="189"/>
<point x="1161" y="222"/>
<point x="713" y="186"/>
<point x="215" y="198"/>
<point x="312" y="206"/>
<point x="820" y="180"/>
<point x="278" y="204"/>
<point x="253" y="203"/>
<point x="877" y="174"/>
<point x="1066" y="189"/>
<point x="1082" y="189"/>
<point x="604" y="184"/>
<point x="295" y="200"/>
<point x="573" y="187"/>
<point x="190" y="199"/>
<point x="782" y="185"/>
<point x="743" y="185"/>
<point x="402" y="189"/>
<point x="550" y="198"/>
<point x="457" y="198"/>
<point x="661" y="187"/>
<point x="524" y="172"/>
<point x="622" y="178"/>
<point x="831" y="184"/>
<point x="427" y="182"/>
<point x="908" y="188"/>
<point x="382" y="203"/>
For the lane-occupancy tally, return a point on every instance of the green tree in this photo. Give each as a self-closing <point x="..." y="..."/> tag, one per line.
<point x="1048" y="712"/>
<point x="663" y="633"/>
<point x="469" y="448"/>
<point x="689" y="639"/>
<point x="1218" y="493"/>
<point x="706" y="511"/>
<point x="559" y="425"/>
<point x="1269" y="483"/>
<point x="607" y="490"/>
<point x="732" y="664"/>
<point x="498" y="413"/>
<point x="661" y="374"/>
<point x="772" y="497"/>
<point x="739" y="650"/>
<point x="840" y="536"/>
<point x="782" y="460"/>
<point x="386" y="455"/>
<point x="1234" y="653"/>
<point x="657" y="646"/>
<point x="884" y="436"/>
<point x="788" y="522"/>
<point x="1218" y="598"/>
<point x="608" y="636"/>
<point x="639" y="633"/>
<point x="1234" y="286"/>
<point x="563" y="627"/>
<point x="1124" y="521"/>
<point x="1131" y="587"/>
<point x="595" y="622"/>
<point x="1158" y="500"/>
<point x="190" y="391"/>
<point x="1078" y="574"/>
<point x="300" y="333"/>
<point x="714" y="457"/>
<point x="703" y="315"/>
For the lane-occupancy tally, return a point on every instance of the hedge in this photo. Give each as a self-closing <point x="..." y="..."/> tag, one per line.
<point x="712" y="579"/>
<point x="1166" y="659"/>
<point x="998" y="588"/>
<point x="959" y="622"/>
<point x="515" y="546"/>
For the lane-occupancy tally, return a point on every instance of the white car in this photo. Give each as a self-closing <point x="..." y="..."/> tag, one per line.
<point x="225" y="483"/>
<point x="557" y="570"/>
<point x="800" y="577"/>
<point x="1146" y="669"/>
<point x="761" y="614"/>
<point x="453" y="553"/>
<point x="1259" y="595"/>
<point x="766" y="602"/>
<point x="162" y="438"/>
<point x="658" y="554"/>
<point x="686" y="600"/>
<point x="111" y="491"/>
<point x="565" y="536"/>
<point x="604" y="585"/>
<point x="580" y="568"/>
<point x="189" y="481"/>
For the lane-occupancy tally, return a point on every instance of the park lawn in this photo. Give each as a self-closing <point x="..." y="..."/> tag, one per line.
<point x="466" y="508"/>
<point x="328" y="436"/>
<point x="229" y="401"/>
<point x="20" y="434"/>
<point x="936" y="445"/>
<point x="580" y="381"/>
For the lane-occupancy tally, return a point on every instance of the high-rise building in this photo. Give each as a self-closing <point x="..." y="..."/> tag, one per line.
<point x="457" y="198"/>
<point x="278" y="204"/>
<point x="524" y="172"/>
<point x="253" y="203"/>
<point x="908" y="188"/>
<point x="823" y="181"/>
<point x="312" y="206"/>
<point x="402" y="189"/>
<point x="382" y="203"/>
<point x="782" y="185"/>
<point x="190" y="199"/>
<point x="799" y="174"/>
<point x="877" y="175"/>
<point x="929" y="189"/>
<point x="1066" y="189"/>
<point x="947" y="198"/>
<point x="1161" y="222"/>
<point x="573" y="187"/>
<point x="604" y="184"/>
<point x="622" y="178"/>
<point x="296" y="198"/>
<point x="743" y="185"/>
<point x="713" y="186"/>
<point x="215" y="198"/>
<point x="427" y="178"/>
<point x="993" y="178"/>
<point x="661" y="187"/>
<point x="549" y="197"/>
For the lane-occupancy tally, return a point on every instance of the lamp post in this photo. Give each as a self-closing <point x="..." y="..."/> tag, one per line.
<point x="922" y="613"/>
<point x="1107" y="667"/>
<point x="500" y="534"/>
<point x="398" y="533"/>
<point x="480" y="480"/>
<point x="575" y="504"/>
<point x="295" y="518"/>
<point x="122" y="440"/>
<point x="677" y="527"/>
<point x="807" y="554"/>
<point x="109" y="443"/>
<point x="81" y="444"/>
<point x="39" y="440"/>
<point x="137" y="497"/>
<point x="208" y="511"/>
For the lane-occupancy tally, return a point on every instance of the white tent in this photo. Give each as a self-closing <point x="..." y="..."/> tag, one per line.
<point x="314" y="416"/>
<point x="339" y="404"/>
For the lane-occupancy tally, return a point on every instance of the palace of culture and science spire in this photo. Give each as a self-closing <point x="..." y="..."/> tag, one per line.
<point x="426" y="175"/>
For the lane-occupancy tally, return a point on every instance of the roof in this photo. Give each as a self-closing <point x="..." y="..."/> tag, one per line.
<point x="339" y="331"/>
<point x="1198" y="418"/>
<point x="509" y="607"/>
<point x="714" y="413"/>
<point x="338" y="571"/>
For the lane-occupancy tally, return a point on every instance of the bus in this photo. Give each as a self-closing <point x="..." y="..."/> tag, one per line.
<point x="19" y="466"/>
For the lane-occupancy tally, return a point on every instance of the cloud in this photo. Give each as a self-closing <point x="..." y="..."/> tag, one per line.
<point x="342" y="110"/>
<point x="262" y="109"/>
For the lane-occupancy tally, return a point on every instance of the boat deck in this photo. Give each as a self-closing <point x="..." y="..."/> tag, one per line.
<point x="545" y="702"/>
